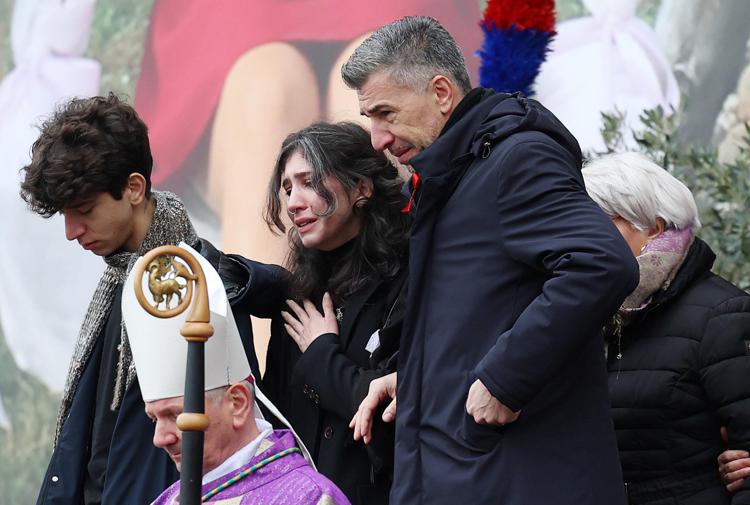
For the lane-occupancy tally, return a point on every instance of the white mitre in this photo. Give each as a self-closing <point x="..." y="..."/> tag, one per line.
<point x="160" y="351"/>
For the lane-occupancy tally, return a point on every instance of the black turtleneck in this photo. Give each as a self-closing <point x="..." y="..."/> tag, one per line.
<point x="333" y="257"/>
<point x="332" y="261"/>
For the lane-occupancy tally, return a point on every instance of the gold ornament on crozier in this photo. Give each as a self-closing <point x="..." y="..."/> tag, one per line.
<point x="163" y="280"/>
<point x="165" y="285"/>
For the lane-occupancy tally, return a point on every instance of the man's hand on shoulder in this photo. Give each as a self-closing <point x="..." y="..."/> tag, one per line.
<point x="486" y="409"/>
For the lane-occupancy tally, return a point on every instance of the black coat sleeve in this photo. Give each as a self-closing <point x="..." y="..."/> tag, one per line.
<point x="549" y="223"/>
<point x="255" y="288"/>
<point x="725" y="374"/>
<point x="265" y="290"/>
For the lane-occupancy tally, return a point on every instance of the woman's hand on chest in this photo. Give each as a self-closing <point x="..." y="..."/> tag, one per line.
<point x="305" y="323"/>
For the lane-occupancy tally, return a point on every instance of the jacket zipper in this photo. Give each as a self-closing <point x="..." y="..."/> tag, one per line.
<point x="486" y="149"/>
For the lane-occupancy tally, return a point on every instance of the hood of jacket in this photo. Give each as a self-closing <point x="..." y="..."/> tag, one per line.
<point x="474" y="128"/>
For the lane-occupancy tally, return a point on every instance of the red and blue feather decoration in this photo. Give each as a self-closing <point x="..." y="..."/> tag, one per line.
<point x="516" y="40"/>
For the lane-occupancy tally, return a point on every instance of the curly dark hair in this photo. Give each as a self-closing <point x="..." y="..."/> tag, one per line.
<point x="88" y="146"/>
<point x="343" y="151"/>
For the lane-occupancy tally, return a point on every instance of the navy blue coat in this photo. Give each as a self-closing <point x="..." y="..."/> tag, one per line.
<point x="513" y="273"/>
<point x="137" y="472"/>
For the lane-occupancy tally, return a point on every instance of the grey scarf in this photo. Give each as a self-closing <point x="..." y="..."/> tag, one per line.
<point x="170" y="225"/>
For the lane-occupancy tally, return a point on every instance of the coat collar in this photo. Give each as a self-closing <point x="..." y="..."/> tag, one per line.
<point x="698" y="262"/>
<point x="353" y="308"/>
<point x="485" y="116"/>
<point x="466" y="104"/>
<point x="468" y="137"/>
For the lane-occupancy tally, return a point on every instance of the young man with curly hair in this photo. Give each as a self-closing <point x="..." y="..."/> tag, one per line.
<point x="92" y="163"/>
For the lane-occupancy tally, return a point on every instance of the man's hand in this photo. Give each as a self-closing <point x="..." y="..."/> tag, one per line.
<point x="380" y="390"/>
<point x="734" y="466"/>
<point x="309" y="324"/>
<point x="486" y="409"/>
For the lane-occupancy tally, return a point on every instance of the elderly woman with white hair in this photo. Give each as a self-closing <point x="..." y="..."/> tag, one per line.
<point x="678" y="348"/>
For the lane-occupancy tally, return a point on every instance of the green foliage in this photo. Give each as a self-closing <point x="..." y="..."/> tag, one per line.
<point x="24" y="448"/>
<point x="721" y="190"/>
<point x="647" y="10"/>
<point x="6" y="56"/>
<point x="117" y="37"/>
<point x="567" y="9"/>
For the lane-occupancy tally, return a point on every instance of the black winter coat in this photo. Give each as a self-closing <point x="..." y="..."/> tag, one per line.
<point x="684" y="373"/>
<point x="137" y="471"/>
<point x="320" y="390"/>
<point x="513" y="272"/>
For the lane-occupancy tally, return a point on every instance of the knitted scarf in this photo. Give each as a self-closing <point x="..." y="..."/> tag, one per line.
<point x="170" y="226"/>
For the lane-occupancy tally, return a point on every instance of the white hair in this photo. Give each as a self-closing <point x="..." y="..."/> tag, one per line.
<point x="631" y="186"/>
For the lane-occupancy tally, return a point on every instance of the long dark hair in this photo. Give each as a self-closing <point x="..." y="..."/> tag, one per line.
<point x="343" y="151"/>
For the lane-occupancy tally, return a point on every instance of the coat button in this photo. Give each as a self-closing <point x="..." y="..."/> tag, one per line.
<point x="328" y="432"/>
<point x="55" y="478"/>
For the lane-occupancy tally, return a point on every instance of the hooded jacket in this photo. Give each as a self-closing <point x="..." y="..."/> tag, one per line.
<point x="513" y="272"/>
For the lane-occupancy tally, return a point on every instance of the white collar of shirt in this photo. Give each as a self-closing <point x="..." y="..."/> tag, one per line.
<point x="241" y="457"/>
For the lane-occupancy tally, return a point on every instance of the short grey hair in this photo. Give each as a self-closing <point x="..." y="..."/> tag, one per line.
<point x="412" y="50"/>
<point x="631" y="186"/>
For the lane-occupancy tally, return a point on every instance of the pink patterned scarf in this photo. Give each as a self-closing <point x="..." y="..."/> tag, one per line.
<point x="658" y="264"/>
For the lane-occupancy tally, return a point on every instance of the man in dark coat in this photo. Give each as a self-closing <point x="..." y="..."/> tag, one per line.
<point x="513" y="272"/>
<point x="92" y="163"/>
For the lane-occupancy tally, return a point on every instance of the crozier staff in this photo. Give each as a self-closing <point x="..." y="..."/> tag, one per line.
<point x="244" y="460"/>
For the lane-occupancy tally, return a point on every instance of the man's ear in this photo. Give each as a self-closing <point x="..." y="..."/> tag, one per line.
<point x="445" y="93"/>
<point x="135" y="188"/>
<point x="241" y="403"/>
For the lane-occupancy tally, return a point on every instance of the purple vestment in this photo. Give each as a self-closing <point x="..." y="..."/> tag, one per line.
<point x="287" y="481"/>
